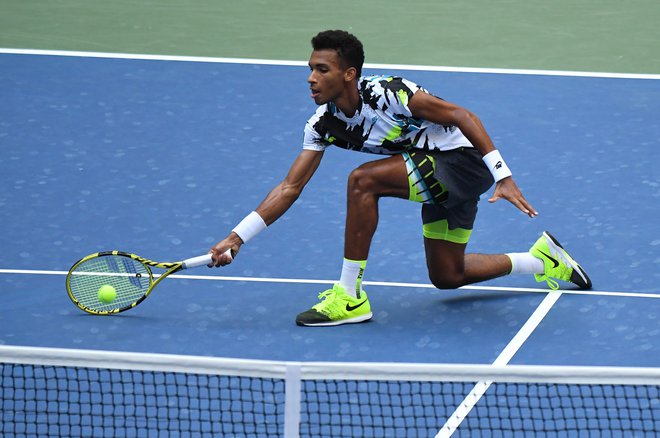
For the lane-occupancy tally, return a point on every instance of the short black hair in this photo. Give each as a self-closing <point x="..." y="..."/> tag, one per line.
<point x="348" y="47"/>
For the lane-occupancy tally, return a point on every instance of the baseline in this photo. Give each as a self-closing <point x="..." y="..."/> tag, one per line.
<point x="530" y="72"/>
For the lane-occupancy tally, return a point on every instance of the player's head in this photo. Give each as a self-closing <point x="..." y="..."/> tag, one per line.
<point x="348" y="47"/>
<point x="335" y="64"/>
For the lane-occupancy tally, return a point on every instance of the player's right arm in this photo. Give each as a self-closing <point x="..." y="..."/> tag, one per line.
<point x="285" y="193"/>
<point x="278" y="201"/>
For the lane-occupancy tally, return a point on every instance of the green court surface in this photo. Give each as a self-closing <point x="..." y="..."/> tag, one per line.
<point x="593" y="35"/>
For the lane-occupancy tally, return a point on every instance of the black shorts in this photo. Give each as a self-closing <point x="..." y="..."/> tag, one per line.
<point x="449" y="185"/>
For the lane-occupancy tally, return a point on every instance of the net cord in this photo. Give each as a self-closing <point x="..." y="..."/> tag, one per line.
<point x="426" y="372"/>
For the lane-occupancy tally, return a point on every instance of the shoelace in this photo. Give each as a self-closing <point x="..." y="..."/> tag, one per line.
<point x="327" y="294"/>
<point x="326" y="298"/>
<point x="560" y="272"/>
<point x="551" y="283"/>
<point x="326" y="306"/>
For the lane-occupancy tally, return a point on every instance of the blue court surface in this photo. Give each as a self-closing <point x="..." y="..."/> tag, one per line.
<point x="163" y="158"/>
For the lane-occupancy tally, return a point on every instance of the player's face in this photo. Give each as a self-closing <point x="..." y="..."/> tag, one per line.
<point x="327" y="78"/>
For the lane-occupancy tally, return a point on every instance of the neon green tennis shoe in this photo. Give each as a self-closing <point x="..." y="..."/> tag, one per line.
<point x="557" y="264"/>
<point x="336" y="308"/>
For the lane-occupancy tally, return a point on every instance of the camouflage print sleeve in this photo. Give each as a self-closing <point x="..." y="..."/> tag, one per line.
<point x="389" y="93"/>
<point x="313" y="140"/>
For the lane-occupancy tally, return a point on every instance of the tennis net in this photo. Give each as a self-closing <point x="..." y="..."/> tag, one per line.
<point x="60" y="392"/>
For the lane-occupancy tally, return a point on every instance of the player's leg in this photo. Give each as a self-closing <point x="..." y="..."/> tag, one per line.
<point x="449" y="267"/>
<point x="448" y="225"/>
<point x="366" y="185"/>
<point x="448" y="221"/>
<point x="347" y="302"/>
<point x="446" y="234"/>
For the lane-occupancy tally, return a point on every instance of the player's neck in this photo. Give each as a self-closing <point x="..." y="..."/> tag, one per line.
<point x="349" y="102"/>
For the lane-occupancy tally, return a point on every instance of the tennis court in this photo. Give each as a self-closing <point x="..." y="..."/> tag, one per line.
<point x="161" y="155"/>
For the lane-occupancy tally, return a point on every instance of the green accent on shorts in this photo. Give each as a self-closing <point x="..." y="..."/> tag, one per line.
<point x="423" y="186"/>
<point x="439" y="230"/>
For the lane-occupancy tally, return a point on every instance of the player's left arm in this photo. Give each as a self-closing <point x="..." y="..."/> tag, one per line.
<point x="428" y="107"/>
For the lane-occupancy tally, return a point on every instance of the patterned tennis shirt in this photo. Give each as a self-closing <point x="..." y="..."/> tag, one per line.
<point x="383" y="123"/>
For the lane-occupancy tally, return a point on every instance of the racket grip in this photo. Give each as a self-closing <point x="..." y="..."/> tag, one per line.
<point x="202" y="260"/>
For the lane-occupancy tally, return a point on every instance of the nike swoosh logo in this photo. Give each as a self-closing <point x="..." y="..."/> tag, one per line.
<point x="552" y="259"/>
<point x="350" y="308"/>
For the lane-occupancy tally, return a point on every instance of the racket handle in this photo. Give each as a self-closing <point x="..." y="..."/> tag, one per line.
<point x="201" y="260"/>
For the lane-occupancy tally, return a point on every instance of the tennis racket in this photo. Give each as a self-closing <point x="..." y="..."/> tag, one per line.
<point x="129" y="275"/>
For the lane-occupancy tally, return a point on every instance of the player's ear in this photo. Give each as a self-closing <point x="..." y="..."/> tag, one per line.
<point x="350" y="74"/>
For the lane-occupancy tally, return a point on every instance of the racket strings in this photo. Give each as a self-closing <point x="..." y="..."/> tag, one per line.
<point x="130" y="279"/>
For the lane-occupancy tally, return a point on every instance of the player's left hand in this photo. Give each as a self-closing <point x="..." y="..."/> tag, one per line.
<point x="507" y="189"/>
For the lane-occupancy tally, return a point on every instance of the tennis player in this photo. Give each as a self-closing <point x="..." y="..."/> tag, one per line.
<point x="437" y="154"/>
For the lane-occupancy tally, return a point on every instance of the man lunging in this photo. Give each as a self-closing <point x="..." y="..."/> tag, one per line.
<point x="438" y="154"/>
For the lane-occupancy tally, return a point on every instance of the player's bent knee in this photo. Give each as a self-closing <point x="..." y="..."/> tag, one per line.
<point x="446" y="281"/>
<point x="360" y="180"/>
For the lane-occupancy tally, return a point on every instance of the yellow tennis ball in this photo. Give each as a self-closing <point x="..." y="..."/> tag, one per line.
<point x="107" y="293"/>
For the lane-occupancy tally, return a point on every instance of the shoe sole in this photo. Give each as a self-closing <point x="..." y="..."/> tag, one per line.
<point x="355" y="320"/>
<point x="579" y="277"/>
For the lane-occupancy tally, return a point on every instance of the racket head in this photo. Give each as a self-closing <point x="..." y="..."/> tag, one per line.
<point x="129" y="274"/>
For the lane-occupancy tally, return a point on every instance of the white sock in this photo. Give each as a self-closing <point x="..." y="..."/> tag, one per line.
<point x="525" y="263"/>
<point x="351" y="276"/>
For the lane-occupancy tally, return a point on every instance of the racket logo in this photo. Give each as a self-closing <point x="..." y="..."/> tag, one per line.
<point x="129" y="268"/>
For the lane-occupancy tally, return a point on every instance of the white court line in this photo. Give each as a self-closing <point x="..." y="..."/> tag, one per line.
<point x="148" y="57"/>
<point x="480" y="388"/>
<point x="367" y="283"/>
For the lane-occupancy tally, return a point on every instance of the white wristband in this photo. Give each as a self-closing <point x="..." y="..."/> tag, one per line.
<point x="496" y="165"/>
<point x="250" y="226"/>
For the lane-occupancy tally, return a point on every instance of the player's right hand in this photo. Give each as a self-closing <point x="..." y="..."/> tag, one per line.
<point x="219" y="251"/>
